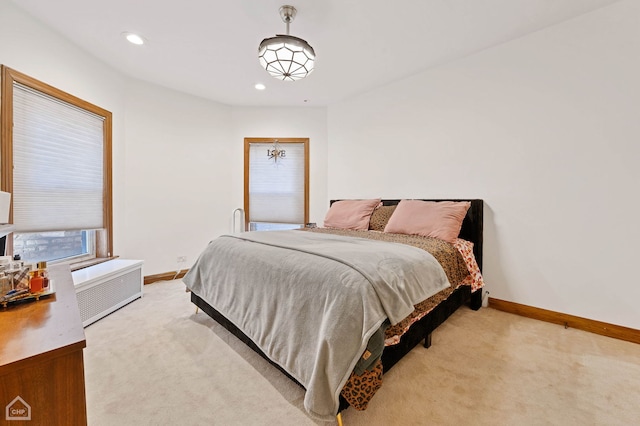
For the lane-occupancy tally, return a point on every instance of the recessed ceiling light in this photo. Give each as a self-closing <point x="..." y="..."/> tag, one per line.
<point x="134" y="38"/>
<point x="260" y="86"/>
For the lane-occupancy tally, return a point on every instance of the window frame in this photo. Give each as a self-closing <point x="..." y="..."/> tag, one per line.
<point x="103" y="237"/>
<point x="281" y="141"/>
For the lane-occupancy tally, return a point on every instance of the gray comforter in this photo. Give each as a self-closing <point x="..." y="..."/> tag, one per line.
<point x="312" y="301"/>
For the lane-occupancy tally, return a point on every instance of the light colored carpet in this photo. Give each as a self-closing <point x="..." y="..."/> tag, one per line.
<point x="155" y="362"/>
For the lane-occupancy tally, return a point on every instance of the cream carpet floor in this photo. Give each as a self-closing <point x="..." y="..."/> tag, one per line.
<point x="156" y="362"/>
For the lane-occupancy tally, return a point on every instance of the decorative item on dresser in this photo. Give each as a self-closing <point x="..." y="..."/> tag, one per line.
<point x="448" y="283"/>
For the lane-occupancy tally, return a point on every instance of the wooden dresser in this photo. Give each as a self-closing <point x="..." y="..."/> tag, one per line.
<point x="41" y="360"/>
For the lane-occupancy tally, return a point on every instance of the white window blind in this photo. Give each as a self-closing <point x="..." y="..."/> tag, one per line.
<point x="276" y="189"/>
<point x="58" y="164"/>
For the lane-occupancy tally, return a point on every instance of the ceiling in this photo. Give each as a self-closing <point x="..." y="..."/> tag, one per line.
<point x="209" y="48"/>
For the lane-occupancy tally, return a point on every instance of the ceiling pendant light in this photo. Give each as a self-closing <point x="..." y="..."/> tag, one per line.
<point x="286" y="57"/>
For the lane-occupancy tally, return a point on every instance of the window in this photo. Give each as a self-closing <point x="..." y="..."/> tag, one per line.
<point x="56" y="163"/>
<point x="276" y="188"/>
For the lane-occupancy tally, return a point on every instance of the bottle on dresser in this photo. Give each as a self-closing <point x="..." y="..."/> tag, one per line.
<point x="42" y="269"/>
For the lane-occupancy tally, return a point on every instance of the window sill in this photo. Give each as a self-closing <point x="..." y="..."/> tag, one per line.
<point x="90" y="262"/>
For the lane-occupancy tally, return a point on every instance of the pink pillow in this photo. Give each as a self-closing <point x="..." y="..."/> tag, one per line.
<point x="350" y="214"/>
<point x="437" y="219"/>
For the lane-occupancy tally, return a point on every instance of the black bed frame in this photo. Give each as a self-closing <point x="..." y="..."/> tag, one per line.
<point x="420" y="330"/>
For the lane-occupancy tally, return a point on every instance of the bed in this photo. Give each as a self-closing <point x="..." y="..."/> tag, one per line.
<point x="302" y="333"/>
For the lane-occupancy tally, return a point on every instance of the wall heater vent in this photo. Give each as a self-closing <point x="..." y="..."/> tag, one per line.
<point x="106" y="287"/>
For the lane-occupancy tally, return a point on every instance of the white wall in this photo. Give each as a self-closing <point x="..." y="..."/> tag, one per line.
<point x="185" y="169"/>
<point x="177" y="168"/>
<point x="287" y="123"/>
<point x="545" y="129"/>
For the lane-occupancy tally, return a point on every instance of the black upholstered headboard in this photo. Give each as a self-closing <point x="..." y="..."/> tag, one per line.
<point x="471" y="226"/>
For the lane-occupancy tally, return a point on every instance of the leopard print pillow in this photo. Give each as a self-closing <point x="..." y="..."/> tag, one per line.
<point x="380" y="217"/>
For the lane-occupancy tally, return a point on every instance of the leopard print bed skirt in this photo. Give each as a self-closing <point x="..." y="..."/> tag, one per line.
<point x="359" y="389"/>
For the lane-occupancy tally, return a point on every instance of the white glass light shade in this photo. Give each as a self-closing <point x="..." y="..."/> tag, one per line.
<point x="286" y="57"/>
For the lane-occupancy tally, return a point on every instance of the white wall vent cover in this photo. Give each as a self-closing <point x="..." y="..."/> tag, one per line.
<point x="106" y="287"/>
